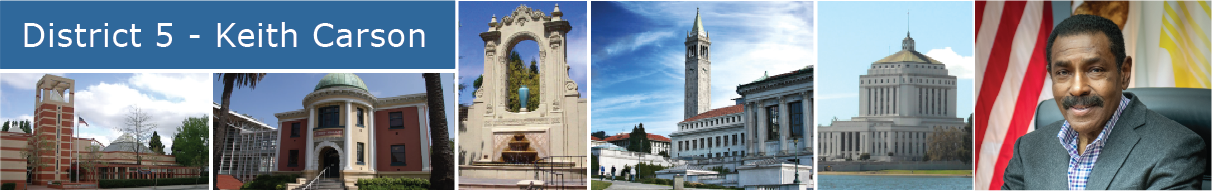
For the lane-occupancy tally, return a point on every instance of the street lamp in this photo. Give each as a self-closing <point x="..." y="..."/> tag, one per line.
<point x="797" y="161"/>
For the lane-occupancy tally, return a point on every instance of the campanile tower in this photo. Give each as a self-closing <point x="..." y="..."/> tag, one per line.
<point x="698" y="70"/>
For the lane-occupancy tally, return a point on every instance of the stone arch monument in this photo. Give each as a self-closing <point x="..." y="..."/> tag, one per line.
<point x="558" y="127"/>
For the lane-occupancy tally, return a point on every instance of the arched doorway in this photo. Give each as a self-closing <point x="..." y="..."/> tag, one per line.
<point x="330" y="162"/>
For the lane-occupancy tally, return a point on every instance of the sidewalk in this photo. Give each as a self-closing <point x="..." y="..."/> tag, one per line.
<point x="172" y="187"/>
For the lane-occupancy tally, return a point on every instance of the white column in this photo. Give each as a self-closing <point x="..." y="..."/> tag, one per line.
<point x="784" y="125"/>
<point x="351" y="152"/>
<point x="370" y="117"/>
<point x="310" y="154"/>
<point x="762" y="125"/>
<point x="423" y="113"/>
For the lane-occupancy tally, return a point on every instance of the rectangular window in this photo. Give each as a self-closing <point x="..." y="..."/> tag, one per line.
<point x="398" y="156"/>
<point x="694" y="144"/>
<point x="772" y="118"/>
<point x="361" y="120"/>
<point x="330" y="116"/>
<point x="734" y="140"/>
<point x="397" y="119"/>
<point x="797" y="119"/>
<point x="294" y="130"/>
<point x="293" y="161"/>
<point x="361" y="154"/>
<point x="708" y="142"/>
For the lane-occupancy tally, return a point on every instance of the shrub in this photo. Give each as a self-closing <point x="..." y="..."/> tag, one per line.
<point x="131" y="183"/>
<point x="393" y="184"/>
<point x="8" y="186"/>
<point x="270" y="182"/>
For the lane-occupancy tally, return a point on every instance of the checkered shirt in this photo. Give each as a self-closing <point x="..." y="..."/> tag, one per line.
<point x="1080" y="164"/>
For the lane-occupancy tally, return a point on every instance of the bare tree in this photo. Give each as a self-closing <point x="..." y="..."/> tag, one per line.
<point x="139" y="127"/>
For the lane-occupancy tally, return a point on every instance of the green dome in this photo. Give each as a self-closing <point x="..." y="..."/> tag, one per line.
<point x="341" y="79"/>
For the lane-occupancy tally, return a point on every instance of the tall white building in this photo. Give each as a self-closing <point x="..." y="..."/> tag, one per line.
<point x="903" y="98"/>
<point x="698" y="69"/>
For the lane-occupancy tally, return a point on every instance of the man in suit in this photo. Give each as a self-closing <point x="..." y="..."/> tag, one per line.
<point x="1109" y="139"/>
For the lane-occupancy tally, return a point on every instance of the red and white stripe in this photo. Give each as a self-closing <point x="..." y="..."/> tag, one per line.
<point x="1011" y="80"/>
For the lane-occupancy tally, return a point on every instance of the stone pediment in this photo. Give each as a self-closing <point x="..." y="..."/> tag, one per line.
<point x="522" y="121"/>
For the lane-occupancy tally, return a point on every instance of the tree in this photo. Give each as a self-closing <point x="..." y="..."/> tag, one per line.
<point x="664" y="154"/>
<point x="5" y="128"/>
<point x="38" y="145"/>
<point x="638" y="140"/>
<point x="139" y="127"/>
<point x="25" y="127"/>
<point x="192" y="142"/>
<point x="599" y="134"/>
<point x="155" y="144"/>
<point x="442" y="162"/>
<point x="230" y="80"/>
<point x="518" y="75"/>
<point x="475" y="85"/>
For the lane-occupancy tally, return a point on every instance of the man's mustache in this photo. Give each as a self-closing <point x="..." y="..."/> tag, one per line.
<point x="1088" y="101"/>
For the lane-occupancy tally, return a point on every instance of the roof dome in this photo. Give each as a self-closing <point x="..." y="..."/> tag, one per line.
<point x="339" y="80"/>
<point x="126" y="143"/>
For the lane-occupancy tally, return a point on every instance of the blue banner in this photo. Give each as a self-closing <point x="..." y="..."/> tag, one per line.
<point x="227" y="35"/>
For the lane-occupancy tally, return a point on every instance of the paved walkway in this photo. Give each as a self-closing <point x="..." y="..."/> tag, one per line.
<point x="172" y="187"/>
<point x="627" y="185"/>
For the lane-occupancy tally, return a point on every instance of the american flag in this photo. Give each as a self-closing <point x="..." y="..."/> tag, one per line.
<point x="1010" y="40"/>
<point x="82" y="121"/>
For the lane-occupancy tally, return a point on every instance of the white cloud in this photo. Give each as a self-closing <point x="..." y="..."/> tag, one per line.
<point x="963" y="67"/>
<point x="105" y="105"/>
<point x="24" y="81"/>
<point x="633" y="42"/>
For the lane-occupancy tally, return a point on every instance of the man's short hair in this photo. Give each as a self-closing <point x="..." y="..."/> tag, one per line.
<point x="1089" y="24"/>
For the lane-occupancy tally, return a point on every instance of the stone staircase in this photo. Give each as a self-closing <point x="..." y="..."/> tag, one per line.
<point x="327" y="184"/>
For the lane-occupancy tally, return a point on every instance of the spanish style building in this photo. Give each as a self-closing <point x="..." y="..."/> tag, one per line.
<point x="903" y="98"/>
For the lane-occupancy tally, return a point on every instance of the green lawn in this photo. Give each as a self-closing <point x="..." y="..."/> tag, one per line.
<point x="955" y="172"/>
<point x="599" y="185"/>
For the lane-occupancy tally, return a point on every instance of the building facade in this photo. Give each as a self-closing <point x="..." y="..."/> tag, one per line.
<point x="657" y="143"/>
<point x="347" y="133"/>
<point x="70" y="162"/>
<point x="251" y="148"/>
<point x="778" y="112"/>
<point x="903" y="98"/>
<point x="716" y="133"/>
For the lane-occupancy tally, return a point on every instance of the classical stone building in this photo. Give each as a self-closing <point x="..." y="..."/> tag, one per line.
<point x="903" y="98"/>
<point x="657" y="143"/>
<point x="768" y="131"/>
<point x="778" y="110"/>
<point x="346" y="133"/>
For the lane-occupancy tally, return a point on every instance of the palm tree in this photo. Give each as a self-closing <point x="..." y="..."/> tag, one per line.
<point x="442" y="176"/>
<point x="230" y="80"/>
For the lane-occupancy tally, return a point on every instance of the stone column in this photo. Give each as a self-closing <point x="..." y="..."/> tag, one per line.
<point x="784" y="125"/>
<point x="422" y="112"/>
<point x="351" y="152"/>
<point x="809" y="123"/>
<point x="310" y="153"/>
<point x="372" y="147"/>
<point x="761" y="127"/>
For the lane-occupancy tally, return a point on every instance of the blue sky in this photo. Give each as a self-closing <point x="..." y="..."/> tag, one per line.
<point x="103" y="100"/>
<point x="473" y="20"/>
<point x="280" y="92"/>
<point x="638" y="55"/>
<point x="854" y="34"/>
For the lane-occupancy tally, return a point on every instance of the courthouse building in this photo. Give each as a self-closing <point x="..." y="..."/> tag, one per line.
<point x="347" y="133"/>
<point x="903" y="98"/>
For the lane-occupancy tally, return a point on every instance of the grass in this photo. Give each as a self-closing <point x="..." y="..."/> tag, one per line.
<point x="955" y="172"/>
<point x="599" y="185"/>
